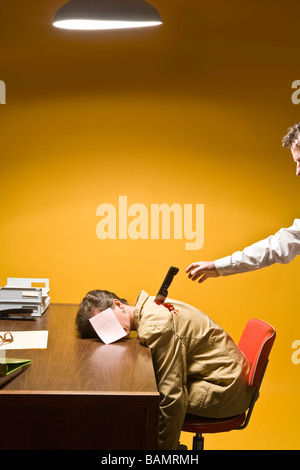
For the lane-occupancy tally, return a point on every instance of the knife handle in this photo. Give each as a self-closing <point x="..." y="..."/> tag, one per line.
<point x="163" y="291"/>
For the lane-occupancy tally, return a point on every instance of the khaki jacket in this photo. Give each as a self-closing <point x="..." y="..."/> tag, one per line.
<point x="198" y="367"/>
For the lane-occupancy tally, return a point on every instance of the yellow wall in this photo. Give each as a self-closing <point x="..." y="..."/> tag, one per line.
<point x="192" y="113"/>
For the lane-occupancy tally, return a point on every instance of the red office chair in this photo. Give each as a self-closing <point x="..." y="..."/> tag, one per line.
<point x="256" y="343"/>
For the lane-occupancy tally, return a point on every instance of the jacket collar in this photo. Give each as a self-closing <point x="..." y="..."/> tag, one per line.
<point x="138" y="306"/>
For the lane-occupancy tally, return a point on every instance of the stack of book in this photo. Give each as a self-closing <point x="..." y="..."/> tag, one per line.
<point x="24" y="296"/>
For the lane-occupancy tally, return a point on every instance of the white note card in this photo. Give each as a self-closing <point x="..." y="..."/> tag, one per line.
<point x="27" y="340"/>
<point x="107" y="326"/>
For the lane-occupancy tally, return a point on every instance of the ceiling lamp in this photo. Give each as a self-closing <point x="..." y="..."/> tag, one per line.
<point x="106" y="14"/>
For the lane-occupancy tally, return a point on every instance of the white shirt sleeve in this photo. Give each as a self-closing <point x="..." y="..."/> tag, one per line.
<point x="279" y="248"/>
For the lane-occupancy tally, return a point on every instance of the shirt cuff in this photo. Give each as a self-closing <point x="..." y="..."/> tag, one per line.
<point x="224" y="266"/>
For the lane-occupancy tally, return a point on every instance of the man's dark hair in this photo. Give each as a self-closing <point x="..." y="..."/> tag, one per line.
<point x="292" y="134"/>
<point x="95" y="299"/>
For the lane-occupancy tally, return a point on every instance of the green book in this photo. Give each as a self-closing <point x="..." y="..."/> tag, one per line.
<point x="10" y="367"/>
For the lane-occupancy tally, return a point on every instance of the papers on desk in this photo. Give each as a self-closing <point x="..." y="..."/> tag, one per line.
<point x="27" y="340"/>
<point x="24" y="296"/>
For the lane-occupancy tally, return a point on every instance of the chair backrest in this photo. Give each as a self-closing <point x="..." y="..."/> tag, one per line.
<point x="256" y="343"/>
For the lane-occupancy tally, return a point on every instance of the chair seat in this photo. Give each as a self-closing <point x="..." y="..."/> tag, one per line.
<point x="197" y="424"/>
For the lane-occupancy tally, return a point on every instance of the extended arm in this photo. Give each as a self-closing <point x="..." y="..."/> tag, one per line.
<point x="279" y="248"/>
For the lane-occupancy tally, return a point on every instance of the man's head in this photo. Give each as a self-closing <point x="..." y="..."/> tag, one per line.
<point x="95" y="302"/>
<point x="292" y="140"/>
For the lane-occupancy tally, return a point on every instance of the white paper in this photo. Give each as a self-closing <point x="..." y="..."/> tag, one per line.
<point x="27" y="340"/>
<point x="107" y="326"/>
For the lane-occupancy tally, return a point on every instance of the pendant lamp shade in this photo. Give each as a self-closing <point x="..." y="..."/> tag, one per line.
<point x="106" y="14"/>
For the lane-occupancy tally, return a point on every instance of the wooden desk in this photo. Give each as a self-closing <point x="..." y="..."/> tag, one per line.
<point x="79" y="394"/>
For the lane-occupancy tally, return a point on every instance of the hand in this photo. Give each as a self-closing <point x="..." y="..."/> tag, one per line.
<point x="202" y="270"/>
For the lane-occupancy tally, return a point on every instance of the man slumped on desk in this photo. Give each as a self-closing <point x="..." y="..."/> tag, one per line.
<point x="198" y="367"/>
